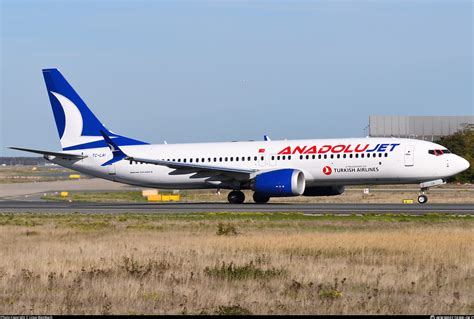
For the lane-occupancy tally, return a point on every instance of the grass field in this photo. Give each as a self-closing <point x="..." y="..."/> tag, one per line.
<point x="241" y="263"/>
<point x="28" y="174"/>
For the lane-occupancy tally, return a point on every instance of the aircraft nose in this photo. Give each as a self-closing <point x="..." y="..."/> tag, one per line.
<point x="463" y="164"/>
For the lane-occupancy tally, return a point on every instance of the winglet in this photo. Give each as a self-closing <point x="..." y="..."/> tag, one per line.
<point x="117" y="153"/>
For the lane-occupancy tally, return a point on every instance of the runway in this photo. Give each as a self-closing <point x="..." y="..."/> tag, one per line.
<point x="10" y="206"/>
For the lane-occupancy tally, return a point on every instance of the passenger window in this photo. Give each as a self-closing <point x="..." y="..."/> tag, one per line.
<point x="248" y="158"/>
<point x="357" y="155"/>
<point x="203" y="160"/>
<point x="350" y="155"/>
<point x="319" y="156"/>
<point x="332" y="155"/>
<point x="197" y="160"/>
<point x="380" y="154"/>
<point x="215" y="159"/>
<point x="179" y="160"/>
<point x="208" y="159"/>
<point x="301" y="157"/>
<point x="283" y="157"/>
<point x="278" y="157"/>
<point x="255" y="158"/>
<point x="231" y="159"/>
<point x="226" y="159"/>
<point x="262" y="158"/>
<point x="314" y="156"/>
<point x="184" y="161"/>
<point x="243" y="158"/>
<point x="386" y="154"/>
<point x="374" y="155"/>
<point x="344" y="155"/>
<point x="307" y="156"/>
<point x="338" y="155"/>
<point x="325" y="156"/>
<point x="236" y="158"/>
<point x="362" y="155"/>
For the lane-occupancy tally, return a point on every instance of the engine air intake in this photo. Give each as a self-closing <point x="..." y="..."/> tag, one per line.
<point x="280" y="183"/>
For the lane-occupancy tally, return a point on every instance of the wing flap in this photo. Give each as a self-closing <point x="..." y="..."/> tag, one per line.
<point x="201" y="170"/>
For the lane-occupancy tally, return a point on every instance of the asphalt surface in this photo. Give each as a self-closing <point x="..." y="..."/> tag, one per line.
<point x="10" y="206"/>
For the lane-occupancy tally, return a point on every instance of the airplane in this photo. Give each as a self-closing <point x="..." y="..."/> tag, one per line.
<point x="270" y="168"/>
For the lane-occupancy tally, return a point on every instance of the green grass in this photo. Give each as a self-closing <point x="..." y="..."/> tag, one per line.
<point x="231" y="271"/>
<point x="200" y="221"/>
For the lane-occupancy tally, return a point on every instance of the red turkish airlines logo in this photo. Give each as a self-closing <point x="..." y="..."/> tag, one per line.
<point x="327" y="170"/>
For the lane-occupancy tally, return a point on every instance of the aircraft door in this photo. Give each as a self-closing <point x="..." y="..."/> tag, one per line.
<point x="409" y="155"/>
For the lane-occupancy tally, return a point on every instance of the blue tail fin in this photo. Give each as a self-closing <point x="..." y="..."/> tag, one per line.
<point x="78" y="127"/>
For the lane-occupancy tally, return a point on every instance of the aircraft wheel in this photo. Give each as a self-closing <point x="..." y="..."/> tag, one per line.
<point x="260" y="198"/>
<point x="236" y="197"/>
<point x="422" y="199"/>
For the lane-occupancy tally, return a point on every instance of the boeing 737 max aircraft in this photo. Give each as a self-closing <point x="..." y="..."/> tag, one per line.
<point x="319" y="167"/>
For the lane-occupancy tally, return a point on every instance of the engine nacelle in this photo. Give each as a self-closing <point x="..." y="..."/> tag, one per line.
<point x="324" y="190"/>
<point x="280" y="183"/>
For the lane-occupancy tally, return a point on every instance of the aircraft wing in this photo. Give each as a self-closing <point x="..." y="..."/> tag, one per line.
<point x="214" y="173"/>
<point x="201" y="170"/>
<point x="48" y="153"/>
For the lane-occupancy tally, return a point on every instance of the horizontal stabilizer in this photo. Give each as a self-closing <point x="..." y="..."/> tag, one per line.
<point x="48" y="153"/>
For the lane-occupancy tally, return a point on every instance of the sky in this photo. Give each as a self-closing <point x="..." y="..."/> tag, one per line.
<point x="208" y="71"/>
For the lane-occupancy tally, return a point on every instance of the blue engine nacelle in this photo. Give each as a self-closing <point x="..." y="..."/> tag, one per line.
<point x="280" y="183"/>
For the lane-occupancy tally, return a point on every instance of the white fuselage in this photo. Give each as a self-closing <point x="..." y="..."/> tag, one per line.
<point x="345" y="161"/>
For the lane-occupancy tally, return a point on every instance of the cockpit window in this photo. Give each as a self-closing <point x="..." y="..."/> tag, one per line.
<point x="439" y="152"/>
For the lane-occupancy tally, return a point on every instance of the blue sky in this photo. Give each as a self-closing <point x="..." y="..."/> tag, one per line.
<point x="234" y="70"/>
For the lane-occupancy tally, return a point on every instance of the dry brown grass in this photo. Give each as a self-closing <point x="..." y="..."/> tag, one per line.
<point x="159" y="267"/>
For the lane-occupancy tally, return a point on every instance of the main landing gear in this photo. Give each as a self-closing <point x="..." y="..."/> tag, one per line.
<point x="260" y="198"/>
<point x="236" y="197"/>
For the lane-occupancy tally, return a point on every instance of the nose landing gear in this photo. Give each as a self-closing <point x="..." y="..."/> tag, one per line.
<point x="236" y="197"/>
<point x="422" y="199"/>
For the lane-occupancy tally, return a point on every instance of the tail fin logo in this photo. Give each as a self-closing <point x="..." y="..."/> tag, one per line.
<point x="72" y="134"/>
<point x="78" y="127"/>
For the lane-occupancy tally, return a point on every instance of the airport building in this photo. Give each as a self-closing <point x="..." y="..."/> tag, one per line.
<point x="428" y="128"/>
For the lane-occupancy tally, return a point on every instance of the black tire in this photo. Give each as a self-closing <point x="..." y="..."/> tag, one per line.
<point x="236" y="197"/>
<point x="422" y="199"/>
<point x="260" y="198"/>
